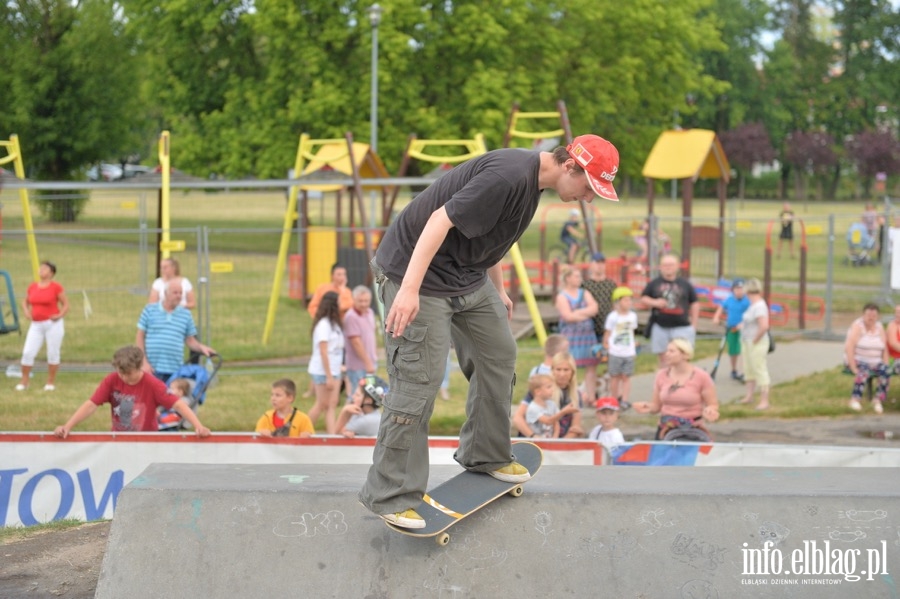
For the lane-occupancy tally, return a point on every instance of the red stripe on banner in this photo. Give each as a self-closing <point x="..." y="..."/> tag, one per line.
<point x="637" y="453"/>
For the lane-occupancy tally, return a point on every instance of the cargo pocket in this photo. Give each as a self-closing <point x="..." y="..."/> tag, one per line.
<point x="401" y="419"/>
<point x="407" y="355"/>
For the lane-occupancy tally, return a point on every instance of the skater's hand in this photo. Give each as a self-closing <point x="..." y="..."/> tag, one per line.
<point x="508" y="303"/>
<point x="403" y="311"/>
<point x="202" y="431"/>
<point x="61" y="431"/>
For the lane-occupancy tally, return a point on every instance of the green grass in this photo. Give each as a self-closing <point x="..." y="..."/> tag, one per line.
<point x="106" y="264"/>
<point x="240" y="397"/>
<point x="11" y="534"/>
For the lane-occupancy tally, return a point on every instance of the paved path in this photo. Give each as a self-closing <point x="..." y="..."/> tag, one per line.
<point x="790" y="361"/>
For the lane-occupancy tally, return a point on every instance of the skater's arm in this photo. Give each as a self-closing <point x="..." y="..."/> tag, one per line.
<point x="405" y="306"/>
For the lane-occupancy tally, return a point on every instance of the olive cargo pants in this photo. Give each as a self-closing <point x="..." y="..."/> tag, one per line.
<point x="478" y="326"/>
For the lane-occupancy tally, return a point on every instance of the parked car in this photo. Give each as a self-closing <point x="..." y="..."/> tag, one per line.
<point x="107" y="172"/>
<point x="133" y="170"/>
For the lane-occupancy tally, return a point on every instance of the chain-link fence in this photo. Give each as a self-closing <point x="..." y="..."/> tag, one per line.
<point x="108" y="258"/>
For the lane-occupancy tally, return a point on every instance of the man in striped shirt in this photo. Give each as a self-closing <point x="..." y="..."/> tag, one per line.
<point x="164" y="328"/>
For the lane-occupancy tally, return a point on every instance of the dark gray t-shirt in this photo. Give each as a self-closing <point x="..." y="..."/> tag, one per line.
<point x="490" y="200"/>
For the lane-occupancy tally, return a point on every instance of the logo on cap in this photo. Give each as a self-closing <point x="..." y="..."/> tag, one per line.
<point x="580" y="153"/>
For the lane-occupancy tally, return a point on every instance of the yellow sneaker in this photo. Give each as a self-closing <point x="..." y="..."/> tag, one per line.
<point x="405" y="519"/>
<point x="512" y="473"/>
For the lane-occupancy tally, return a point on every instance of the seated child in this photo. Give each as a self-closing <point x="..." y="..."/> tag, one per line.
<point x="362" y="417"/>
<point x="607" y="432"/>
<point x="284" y="420"/>
<point x="180" y="388"/>
<point x="133" y="398"/>
<point x="542" y="409"/>
<point x="554" y="344"/>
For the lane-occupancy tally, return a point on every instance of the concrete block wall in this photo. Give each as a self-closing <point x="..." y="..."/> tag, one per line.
<point x="642" y="532"/>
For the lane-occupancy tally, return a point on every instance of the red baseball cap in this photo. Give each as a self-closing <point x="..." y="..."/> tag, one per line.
<point x="600" y="161"/>
<point x="607" y="403"/>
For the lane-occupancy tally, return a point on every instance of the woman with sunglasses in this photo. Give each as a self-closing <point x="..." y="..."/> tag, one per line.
<point x="683" y="395"/>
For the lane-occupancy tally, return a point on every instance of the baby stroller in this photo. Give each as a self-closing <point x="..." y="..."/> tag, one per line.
<point x="200" y="378"/>
<point x="860" y="245"/>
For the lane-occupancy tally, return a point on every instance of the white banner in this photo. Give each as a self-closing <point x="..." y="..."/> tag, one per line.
<point x="43" y="478"/>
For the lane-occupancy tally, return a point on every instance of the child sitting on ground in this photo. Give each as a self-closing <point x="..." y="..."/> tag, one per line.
<point x="542" y="411"/>
<point x="607" y="433"/>
<point x="133" y="397"/>
<point x="553" y="345"/>
<point x="362" y="417"/>
<point x="284" y="420"/>
<point x="618" y="339"/>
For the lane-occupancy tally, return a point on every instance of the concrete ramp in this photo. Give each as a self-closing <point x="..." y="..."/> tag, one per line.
<point x="578" y="531"/>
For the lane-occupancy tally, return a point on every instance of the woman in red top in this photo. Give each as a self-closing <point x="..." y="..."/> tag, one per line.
<point x="45" y="304"/>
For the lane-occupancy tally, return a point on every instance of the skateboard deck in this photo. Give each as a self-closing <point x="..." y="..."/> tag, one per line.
<point x="465" y="494"/>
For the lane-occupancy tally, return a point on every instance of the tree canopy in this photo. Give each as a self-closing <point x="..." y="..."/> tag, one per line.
<point x="237" y="81"/>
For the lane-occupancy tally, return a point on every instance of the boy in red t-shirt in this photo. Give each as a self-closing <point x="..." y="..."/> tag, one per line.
<point x="133" y="396"/>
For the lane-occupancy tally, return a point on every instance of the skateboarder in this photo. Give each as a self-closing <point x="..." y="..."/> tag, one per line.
<point x="438" y="272"/>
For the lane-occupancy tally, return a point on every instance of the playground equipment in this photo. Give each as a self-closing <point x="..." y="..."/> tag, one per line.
<point x="689" y="155"/>
<point x="550" y="247"/>
<point x="416" y="149"/>
<point x="9" y="313"/>
<point x="14" y="156"/>
<point x="514" y="131"/>
<point x="314" y="157"/>
<point x="803" y="311"/>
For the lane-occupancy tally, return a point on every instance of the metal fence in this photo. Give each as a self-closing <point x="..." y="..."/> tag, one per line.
<point x="107" y="260"/>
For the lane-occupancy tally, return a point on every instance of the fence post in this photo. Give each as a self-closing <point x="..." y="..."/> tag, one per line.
<point x="884" y="256"/>
<point x="829" y="277"/>
<point x="203" y="302"/>
<point x="143" y="247"/>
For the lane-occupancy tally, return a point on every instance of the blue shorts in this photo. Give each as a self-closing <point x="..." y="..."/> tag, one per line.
<point x="319" y="379"/>
<point x="660" y="337"/>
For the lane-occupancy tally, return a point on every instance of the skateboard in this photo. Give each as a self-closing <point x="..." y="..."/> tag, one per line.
<point x="465" y="494"/>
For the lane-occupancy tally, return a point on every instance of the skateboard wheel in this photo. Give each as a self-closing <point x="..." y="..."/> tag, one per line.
<point x="442" y="539"/>
<point x="517" y="491"/>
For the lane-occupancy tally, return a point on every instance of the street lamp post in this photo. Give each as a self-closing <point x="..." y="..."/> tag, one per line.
<point x="375" y="12"/>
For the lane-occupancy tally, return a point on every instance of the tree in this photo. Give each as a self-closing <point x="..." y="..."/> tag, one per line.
<point x="874" y="152"/>
<point x="741" y="23"/>
<point x="746" y="146"/>
<point x="811" y="153"/>
<point x="69" y="81"/>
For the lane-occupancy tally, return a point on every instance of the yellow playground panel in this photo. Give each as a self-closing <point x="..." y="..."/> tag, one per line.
<point x="14" y="155"/>
<point x="688" y="155"/>
<point x="346" y="157"/>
